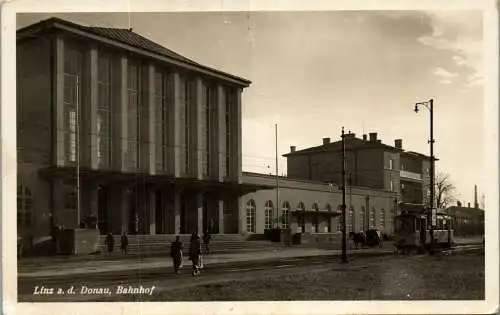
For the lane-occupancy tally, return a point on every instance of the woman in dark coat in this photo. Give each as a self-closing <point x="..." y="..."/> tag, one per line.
<point x="176" y="253"/>
<point x="195" y="253"/>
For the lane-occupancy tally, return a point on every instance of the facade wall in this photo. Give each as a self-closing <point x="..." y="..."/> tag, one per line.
<point x="33" y="136"/>
<point x="295" y="192"/>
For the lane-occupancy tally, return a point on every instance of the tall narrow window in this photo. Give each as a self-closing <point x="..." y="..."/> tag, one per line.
<point x="315" y="225"/>
<point x="362" y="219"/>
<point x="134" y="117"/>
<point x="350" y="220"/>
<point x="188" y="99"/>
<point x="391" y="164"/>
<point x="285" y="212"/>
<point x="208" y="103"/>
<point x="72" y="100"/>
<point x="161" y="120"/>
<point x="251" y="216"/>
<point x="104" y="109"/>
<point x="268" y="209"/>
<point x="230" y="103"/>
<point x="301" y="208"/>
<point x="372" y="218"/>
<point x="24" y="207"/>
<point x="382" y="220"/>
<point x="329" y="220"/>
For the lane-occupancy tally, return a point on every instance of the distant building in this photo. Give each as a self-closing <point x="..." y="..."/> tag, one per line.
<point x="467" y="220"/>
<point x="369" y="163"/>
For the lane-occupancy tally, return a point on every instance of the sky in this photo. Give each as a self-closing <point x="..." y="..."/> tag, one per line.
<point x="314" y="72"/>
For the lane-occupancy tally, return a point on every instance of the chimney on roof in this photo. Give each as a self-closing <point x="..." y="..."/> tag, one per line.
<point x="364" y="137"/>
<point x="476" y="204"/>
<point x="398" y="143"/>
<point x="130" y="29"/>
<point x="292" y="148"/>
<point x="468" y="204"/>
<point x="459" y="204"/>
<point x="373" y="136"/>
<point x="379" y="141"/>
<point x="326" y="141"/>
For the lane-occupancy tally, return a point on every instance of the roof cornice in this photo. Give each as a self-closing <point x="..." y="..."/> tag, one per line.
<point x="79" y="30"/>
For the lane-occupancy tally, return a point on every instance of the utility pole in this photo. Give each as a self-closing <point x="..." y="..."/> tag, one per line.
<point x="344" y="223"/>
<point x="77" y="136"/>
<point x="430" y="106"/>
<point x="277" y="177"/>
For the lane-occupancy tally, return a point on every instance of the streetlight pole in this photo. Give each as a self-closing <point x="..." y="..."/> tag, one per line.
<point x="344" y="225"/>
<point x="430" y="106"/>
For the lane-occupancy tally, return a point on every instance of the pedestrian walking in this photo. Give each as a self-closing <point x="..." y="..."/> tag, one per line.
<point x="206" y="241"/>
<point x="124" y="243"/>
<point x="110" y="242"/>
<point x="176" y="253"/>
<point x="195" y="254"/>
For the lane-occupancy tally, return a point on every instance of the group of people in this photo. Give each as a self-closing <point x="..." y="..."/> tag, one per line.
<point x="110" y="243"/>
<point x="176" y="250"/>
<point x="195" y="252"/>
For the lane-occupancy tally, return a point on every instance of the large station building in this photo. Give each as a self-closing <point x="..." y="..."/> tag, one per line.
<point x="115" y="127"/>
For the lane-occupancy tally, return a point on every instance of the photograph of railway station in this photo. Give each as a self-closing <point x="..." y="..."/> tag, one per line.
<point x="124" y="145"/>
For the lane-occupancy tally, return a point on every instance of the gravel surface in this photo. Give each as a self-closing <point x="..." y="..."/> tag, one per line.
<point x="440" y="277"/>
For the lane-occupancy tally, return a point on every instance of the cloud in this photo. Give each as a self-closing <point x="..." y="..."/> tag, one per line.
<point x="460" y="33"/>
<point x="440" y="72"/>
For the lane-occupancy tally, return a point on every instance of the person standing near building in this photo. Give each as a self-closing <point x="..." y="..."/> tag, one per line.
<point x="110" y="242"/>
<point x="124" y="243"/>
<point x="206" y="241"/>
<point x="176" y="253"/>
<point x="195" y="253"/>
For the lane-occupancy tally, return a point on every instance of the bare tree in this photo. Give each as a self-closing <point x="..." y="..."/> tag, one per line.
<point x="444" y="191"/>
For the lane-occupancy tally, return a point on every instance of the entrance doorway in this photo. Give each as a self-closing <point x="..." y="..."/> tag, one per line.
<point x="159" y="213"/>
<point x="103" y="209"/>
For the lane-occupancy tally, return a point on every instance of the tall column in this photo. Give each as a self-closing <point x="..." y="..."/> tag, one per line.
<point x="177" y="211"/>
<point x="198" y="212"/>
<point x="220" y="135"/>
<point x="120" y="113"/>
<point x="198" y="128"/>
<point x="59" y="110"/>
<point x="148" y="129"/>
<point x="174" y="124"/>
<point x="220" y="215"/>
<point x="152" y="211"/>
<point x="238" y="139"/>
<point x="89" y="110"/>
<point x="240" y="218"/>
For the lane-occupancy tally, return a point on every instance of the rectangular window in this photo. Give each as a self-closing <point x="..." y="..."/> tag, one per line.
<point x="382" y="220"/>
<point x="73" y="59"/>
<point x="391" y="185"/>
<point x="161" y="120"/>
<point x="372" y="219"/>
<point x="133" y="116"/>
<point x="104" y="109"/>
<point x="391" y="164"/>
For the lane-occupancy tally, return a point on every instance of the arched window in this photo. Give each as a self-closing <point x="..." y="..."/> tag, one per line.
<point x="268" y="209"/>
<point x="350" y="219"/>
<point x="315" y="225"/>
<point x="372" y="218"/>
<point x="285" y="212"/>
<point x="300" y="218"/>
<point x="382" y="220"/>
<point x="251" y="216"/>
<point x="362" y="220"/>
<point x="329" y="220"/>
<point x="24" y="207"/>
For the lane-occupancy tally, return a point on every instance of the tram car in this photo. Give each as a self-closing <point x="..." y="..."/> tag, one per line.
<point x="412" y="233"/>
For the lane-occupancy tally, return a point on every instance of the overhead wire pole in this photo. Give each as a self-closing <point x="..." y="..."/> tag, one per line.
<point x="77" y="131"/>
<point x="277" y="177"/>
<point x="344" y="225"/>
<point x="430" y="106"/>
